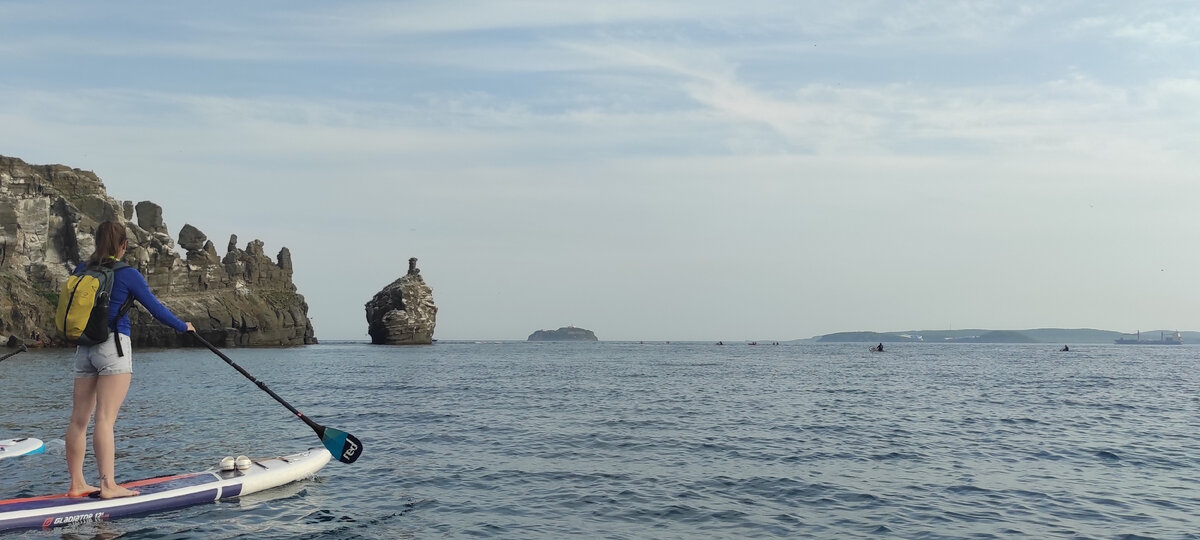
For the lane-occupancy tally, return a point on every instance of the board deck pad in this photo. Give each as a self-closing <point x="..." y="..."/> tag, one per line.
<point x="161" y="493"/>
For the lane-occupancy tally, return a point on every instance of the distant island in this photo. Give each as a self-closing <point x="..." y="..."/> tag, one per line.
<point x="1036" y="335"/>
<point x="566" y="333"/>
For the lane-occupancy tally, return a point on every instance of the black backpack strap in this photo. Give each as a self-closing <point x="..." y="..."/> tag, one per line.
<point x="121" y="311"/>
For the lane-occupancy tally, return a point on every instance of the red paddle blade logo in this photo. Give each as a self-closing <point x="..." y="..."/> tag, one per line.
<point x="350" y="451"/>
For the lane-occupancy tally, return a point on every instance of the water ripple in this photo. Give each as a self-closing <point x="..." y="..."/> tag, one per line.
<point x="613" y="440"/>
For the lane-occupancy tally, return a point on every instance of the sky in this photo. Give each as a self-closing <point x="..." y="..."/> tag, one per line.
<point x="651" y="170"/>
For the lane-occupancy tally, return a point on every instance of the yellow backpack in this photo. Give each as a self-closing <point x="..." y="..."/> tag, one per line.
<point x="82" y="316"/>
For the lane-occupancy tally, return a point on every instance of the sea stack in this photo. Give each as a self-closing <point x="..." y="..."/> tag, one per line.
<point x="403" y="313"/>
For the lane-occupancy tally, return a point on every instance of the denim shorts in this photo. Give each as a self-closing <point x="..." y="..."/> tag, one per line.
<point x="102" y="359"/>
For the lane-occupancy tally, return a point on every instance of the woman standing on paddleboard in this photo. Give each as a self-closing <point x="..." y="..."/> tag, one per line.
<point x="102" y="375"/>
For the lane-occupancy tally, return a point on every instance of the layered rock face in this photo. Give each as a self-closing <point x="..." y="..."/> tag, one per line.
<point x="48" y="218"/>
<point x="403" y="313"/>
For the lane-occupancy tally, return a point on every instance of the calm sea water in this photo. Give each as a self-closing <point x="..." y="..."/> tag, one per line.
<point x="680" y="440"/>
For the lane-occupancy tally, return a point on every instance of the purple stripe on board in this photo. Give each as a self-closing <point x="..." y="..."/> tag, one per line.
<point x="231" y="491"/>
<point x="52" y="518"/>
<point x="149" y="488"/>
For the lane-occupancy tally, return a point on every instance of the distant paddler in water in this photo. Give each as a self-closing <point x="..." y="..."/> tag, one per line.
<point x="1065" y="349"/>
<point x="877" y="348"/>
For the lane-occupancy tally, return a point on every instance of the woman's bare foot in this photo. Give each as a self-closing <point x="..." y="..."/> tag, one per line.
<point x="81" y="491"/>
<point x="117" y="492"/>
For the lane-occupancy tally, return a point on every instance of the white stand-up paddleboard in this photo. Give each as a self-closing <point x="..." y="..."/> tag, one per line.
<point x="21" y="447"/>
<point x="164" y="492"/>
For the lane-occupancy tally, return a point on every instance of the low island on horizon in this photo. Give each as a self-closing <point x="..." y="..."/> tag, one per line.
<point x="1035" y="335"/>
<point x="566" y="333"/>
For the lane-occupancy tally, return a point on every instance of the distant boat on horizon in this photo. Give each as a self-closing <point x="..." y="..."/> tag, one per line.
<point x="1163" y="339"/>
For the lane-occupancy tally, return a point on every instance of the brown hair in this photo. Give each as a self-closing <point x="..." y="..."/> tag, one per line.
<point x="110" y="236"/>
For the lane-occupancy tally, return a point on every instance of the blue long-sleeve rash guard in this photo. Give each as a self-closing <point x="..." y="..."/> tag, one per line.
<point x="128" y="282"/>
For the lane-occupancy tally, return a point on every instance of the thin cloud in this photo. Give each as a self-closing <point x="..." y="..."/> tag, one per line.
<point x="1149" y="24"/>
<point x="1071" y="113"/>
<point x="802" y="140"/>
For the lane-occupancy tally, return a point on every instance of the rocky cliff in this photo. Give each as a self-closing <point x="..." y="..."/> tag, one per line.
<point x="403" y="313"/>
<point x="48" y="217"/>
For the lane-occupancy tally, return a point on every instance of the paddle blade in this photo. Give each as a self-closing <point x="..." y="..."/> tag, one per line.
<point x="344" y="446"/>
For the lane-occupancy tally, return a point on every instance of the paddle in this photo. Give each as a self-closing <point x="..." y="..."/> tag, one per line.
<point x="11" y="354"/>
<point x="344" y="446"/>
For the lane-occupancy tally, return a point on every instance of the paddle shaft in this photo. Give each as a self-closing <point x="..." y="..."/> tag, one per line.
<point x="11" y="354"/>
<point x="315" y="426"/>
<point x="343" y="446"/>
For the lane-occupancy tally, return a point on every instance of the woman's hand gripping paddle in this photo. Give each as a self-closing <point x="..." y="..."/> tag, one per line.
<point x="344" y="446"/>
